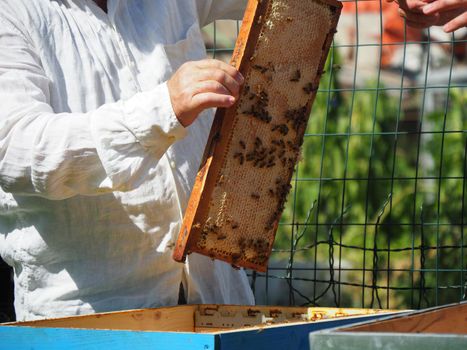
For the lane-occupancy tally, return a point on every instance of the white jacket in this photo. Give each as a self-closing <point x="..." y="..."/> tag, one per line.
<point x="95" y="169"/>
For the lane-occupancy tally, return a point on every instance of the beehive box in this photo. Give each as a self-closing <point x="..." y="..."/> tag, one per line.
<point x="201" y="327"/>
<point x="432" y="329"/>
<point x="242" y="185"/>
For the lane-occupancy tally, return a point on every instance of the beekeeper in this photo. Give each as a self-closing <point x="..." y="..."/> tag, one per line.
<point x="104" y="116"/>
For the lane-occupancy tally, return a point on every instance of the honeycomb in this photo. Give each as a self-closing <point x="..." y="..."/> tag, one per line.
<point x="243" y="183"/>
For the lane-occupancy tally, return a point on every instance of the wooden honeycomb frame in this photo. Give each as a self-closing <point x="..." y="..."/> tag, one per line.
<point x="244" y="179"/>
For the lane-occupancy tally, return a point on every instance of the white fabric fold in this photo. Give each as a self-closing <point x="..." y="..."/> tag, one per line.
<point x="95" y="168"/>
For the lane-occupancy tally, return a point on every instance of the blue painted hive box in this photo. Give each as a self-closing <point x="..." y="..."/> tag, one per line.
<point x="202" y="327"/>
<point x="437" y="328"/>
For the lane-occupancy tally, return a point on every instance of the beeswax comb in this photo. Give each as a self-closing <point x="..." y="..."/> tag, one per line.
<point x="244" y="178"/>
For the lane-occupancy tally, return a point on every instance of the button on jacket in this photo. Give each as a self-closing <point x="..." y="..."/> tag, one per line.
<point x="95" y="169"/>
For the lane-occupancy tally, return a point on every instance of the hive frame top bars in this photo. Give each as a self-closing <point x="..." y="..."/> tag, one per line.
<point x="244" y="178"/>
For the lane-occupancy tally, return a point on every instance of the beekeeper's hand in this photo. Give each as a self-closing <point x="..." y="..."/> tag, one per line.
<point x="200" y="85"/>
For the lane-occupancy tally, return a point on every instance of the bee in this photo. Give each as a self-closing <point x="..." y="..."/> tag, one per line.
<point x="276" y="142"/>
<point x="216" y="137"/>
<point x="236" y="257"/>
<point x="296" y="76"/>
<point x="275" y="313"/>
<point x="197" y="225"/>
<point x="336" y="66"/>
<point x="258" y="142"/>
<point x="242" y="144"/>
<point x="309" y="88"/>
<point x="282" y="128"/>
<point x="260" y="68"/>
<point x="252" y="313"/>
<point x="240" y="157"/>
<point x="255" y="195"/>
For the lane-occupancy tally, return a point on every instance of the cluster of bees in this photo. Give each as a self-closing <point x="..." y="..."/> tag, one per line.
<point x="215" y="228"/>
<point x="281" y="192"/>
<point x="260" y="246"/>
<point x="260" y="156"/>
<point x="258" y="109"/>
<point x="280" y="151"/>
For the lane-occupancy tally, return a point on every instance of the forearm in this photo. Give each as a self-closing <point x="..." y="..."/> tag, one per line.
<point x="61" y="155"/>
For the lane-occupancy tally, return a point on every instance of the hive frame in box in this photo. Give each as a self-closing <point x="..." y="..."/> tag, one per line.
<point x="173" y="328"/>
<point x="242" y="185"/>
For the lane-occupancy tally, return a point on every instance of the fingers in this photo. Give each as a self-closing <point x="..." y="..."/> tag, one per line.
<point x="210" y="94"/>
<point x="227" y="68"/>
<point x="456" y="23"/>
<point x="210" y="100"/>
<point x="211" y="86"/>
<point x="444" y="5"/>
<point x="221" y="77"/>
<point x="418" y="20"/>
<point x="199" y="85"/>
<point x="412" y="5"/>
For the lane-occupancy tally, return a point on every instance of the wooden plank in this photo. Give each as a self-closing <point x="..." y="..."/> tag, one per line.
<point x="169" y="319"/>
<point x="447" y="320"/>
<point x="199" y="318"/>
<point x="242" y="185"/>
<point x="224" y="317"/>
<point x="27" y="338"/>
<point x="399" y="341"/>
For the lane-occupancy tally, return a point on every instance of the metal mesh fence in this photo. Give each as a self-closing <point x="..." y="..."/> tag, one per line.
<point x="376" y="216"/>
<point x="377" y="213"/>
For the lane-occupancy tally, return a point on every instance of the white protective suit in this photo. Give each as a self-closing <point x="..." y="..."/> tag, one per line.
<point x="95" y="169"/>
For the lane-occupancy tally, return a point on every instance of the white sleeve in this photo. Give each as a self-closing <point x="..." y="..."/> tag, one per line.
<point x="59" y="155"/>
<point x="211" y="10"/>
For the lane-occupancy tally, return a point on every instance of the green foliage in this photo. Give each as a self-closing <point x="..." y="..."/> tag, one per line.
<point x="378" y="174"/>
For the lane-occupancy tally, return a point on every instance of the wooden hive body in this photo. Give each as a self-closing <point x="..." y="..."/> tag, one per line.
<point x="200" y="327"/>
<point x="244" y="179"/>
